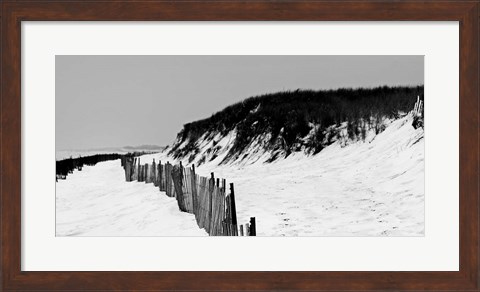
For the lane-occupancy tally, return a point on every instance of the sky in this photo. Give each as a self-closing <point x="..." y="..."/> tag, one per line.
<point x="114" y="101"/>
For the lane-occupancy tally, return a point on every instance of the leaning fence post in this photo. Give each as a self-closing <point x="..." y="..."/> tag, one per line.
<point x="234" y="210"/>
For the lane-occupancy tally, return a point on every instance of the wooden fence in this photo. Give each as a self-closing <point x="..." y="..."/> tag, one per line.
<point x="207" y="198"/>
<point x="418" y="120"/>
<point x="418" y="108"/>
<point x="65" y="166"/>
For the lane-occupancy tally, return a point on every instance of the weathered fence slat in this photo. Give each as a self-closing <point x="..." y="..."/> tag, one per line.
<point x="154" y="173"/>
<point x="233" y="210"/>
<point x="147" y="174"/>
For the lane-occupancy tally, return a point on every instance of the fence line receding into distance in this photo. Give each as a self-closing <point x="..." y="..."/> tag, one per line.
<point x="207" y="198"/>
<point x="67" y="165"/>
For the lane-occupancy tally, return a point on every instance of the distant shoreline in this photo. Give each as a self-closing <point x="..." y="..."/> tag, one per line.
<point x="75" y="153"/>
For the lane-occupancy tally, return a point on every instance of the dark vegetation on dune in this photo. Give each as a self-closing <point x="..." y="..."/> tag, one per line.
<point x="288" y="117"/>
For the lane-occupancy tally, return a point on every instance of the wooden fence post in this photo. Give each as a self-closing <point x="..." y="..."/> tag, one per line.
<point x="194" y="192"/>
<point x="144" y="173"/>
<point x="157" y="175"/>
<point x="253" y="227"/>
<point x="134" y="169"/>
<point x="228" y="215"/>
<point x="140" y="173"/>
<point x="160" y="175"/>
<point x="177" y="177"/>
<point x="224" y="228"/>
<point x="154" y="173"/>
<point x="147" y="172"/>
<point x="127" y="168"/>
<point x="211" y="185"/>
<point x="139" y="170"/>
<point x="234" y="210"/>
<point x="167" y="179"/>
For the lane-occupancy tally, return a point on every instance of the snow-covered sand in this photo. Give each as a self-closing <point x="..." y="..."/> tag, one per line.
<point x="98" y="202"/>
<point x="373" y="188"/>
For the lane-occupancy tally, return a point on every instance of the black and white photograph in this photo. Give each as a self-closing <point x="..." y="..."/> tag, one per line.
<point x="239" y="145"/>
